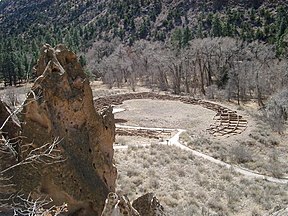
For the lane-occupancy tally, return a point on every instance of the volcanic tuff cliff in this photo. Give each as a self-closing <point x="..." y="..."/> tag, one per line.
<point x="61" y="107"/>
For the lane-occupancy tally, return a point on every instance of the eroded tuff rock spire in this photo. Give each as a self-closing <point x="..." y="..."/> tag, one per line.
<point x="61" y="106"/>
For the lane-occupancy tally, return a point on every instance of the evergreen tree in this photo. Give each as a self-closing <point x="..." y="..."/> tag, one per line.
<point x="176" y="39"/>
<point x="216" y="27"/>
<point x="186" y="37"/>
<point x="82" y="60"/>
<point x="143" y="31"/>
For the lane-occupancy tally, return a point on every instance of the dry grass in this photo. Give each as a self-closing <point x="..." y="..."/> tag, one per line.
<point x="14" y="96"/>
<point x="257" y="148"/>
<point x="187" y="185"/>
<point x="261" y="151"/>
<point x="101" y="90"/>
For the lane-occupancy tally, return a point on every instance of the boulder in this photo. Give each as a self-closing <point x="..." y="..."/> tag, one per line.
<point x="60" y="110"/>
<point x="117" y="205"/>
<point x="148" y="205"/>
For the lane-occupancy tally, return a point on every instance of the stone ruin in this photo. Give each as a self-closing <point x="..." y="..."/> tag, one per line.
<point x="64" y="145"/>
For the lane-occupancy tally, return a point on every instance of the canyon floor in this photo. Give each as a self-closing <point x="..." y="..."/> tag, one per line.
<point x="184" y="182"/>
<point x="190" y="185"/>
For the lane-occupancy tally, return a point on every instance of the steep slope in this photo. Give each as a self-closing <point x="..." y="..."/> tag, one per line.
<point x="140" y="19"/>
<point x="26" y="25"/>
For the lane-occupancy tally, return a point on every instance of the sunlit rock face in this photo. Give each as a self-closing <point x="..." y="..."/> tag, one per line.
<point x="60" y="106"/>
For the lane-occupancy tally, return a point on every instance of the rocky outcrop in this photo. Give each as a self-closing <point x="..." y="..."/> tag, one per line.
<point x="148" y="205"/>
<point x="60" y="106"/>
<point x="116" y="205"/>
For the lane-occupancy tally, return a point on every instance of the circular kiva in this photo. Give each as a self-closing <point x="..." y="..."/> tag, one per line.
<point x="226" y="121"/>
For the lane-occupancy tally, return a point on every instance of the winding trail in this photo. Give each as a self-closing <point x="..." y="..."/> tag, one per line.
<point x="174" y="141"/>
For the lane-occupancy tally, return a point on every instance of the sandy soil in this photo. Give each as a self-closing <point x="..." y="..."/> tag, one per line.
<point x="166" y="114"/>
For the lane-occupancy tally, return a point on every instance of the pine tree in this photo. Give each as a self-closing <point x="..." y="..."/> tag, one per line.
<point x="143" y="31"/>
<point x="176" y="39"/>
<point x="216" y="27"/>
<point x="186" y="37"/>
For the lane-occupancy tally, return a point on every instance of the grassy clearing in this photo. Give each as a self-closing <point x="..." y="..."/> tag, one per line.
<point x="187" y="185"/>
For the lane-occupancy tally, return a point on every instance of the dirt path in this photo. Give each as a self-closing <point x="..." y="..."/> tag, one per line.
<point x="175" y="142"/>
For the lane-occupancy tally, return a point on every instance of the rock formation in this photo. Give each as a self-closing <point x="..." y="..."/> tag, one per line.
<point x="66" y="147"/>
<point x="60" y="107"/>
<point x="148" y="205"/>
<point x="116" y="205"/>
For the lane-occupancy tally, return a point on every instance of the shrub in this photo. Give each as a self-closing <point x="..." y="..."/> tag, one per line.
<point x="274" y="166"/>
<point x="240" y="154"/>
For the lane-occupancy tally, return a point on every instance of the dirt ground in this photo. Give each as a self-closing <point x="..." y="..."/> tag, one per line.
<point x="15" y="95"/>
<point x="166" y="114"/>
<point x="101" y="90"/>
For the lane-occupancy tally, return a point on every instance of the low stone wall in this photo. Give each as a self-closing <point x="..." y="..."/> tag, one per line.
<point x="227" y="121"/>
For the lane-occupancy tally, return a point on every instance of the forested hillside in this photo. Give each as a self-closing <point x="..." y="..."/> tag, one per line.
<point x="26" y="25"/>
<point x="209" y="134"/>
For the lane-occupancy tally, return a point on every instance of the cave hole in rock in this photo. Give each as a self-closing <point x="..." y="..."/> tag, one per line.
<point x="54" y="70"/>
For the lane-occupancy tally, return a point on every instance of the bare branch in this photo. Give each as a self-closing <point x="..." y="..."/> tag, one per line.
<point x="46" y="154"/>
<point x="17" y="110"/>
<point x="22" y="205"/>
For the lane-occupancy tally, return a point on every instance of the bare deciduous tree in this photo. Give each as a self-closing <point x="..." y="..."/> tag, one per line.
<point x="276" y="111"/>
<point x="244" y="70"/>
